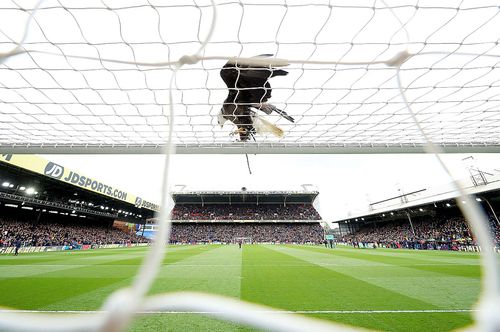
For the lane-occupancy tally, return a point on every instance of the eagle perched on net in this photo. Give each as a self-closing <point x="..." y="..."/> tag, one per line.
<point x="249" y="91"/>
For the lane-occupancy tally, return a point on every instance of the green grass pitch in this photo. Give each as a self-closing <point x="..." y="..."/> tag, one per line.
<point x="315" y="280"/>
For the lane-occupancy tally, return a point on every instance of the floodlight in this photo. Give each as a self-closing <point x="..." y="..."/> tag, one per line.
<point x="30" y="191"/>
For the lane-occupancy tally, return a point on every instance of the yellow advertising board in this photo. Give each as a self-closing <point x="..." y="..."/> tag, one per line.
<point x="50" y="169"/>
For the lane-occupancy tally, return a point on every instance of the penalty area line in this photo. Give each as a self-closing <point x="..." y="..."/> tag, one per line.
<point x="303" y="312"/>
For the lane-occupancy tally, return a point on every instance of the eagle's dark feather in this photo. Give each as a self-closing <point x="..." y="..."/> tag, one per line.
<point x="248" y="87"/>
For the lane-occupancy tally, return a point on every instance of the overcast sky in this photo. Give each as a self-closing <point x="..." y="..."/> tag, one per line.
<point x="346" y="182"/>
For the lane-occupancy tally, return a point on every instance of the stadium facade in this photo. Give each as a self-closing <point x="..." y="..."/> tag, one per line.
<point x="425" y="207"/>
<point x="38" y="191"/>
<point x="251" y="216"/>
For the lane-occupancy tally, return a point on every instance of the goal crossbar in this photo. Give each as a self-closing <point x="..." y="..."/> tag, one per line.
<point x="246" y="148"/>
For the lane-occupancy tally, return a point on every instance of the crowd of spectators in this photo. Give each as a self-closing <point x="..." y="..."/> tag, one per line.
<point x="245" y="212"/>
<point x="255" y="232"/>
<point x="441" y="232"/>
<point x="30" y="233"/>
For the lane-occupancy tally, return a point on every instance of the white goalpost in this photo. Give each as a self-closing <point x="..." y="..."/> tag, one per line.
<point x="142" y="76"/>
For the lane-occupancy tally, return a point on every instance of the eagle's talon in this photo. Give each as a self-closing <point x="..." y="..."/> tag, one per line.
<point x="239" y="131"/>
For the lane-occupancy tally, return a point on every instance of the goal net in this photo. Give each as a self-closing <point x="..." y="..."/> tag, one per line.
<point x="242" y="240"/>
<point x="139" y="76"/>
<point x="95" y="75"/>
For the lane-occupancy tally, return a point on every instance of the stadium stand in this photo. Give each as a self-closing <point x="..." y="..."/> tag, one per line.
<point x="44" y="207"/>
<point x="255" y="232"/>
<point x="259" y="217"/>
<point x="61" y="234"/>
<point x="245" y="212"/>
<point x="435" y="231"/>
<point x="428" y="218"/>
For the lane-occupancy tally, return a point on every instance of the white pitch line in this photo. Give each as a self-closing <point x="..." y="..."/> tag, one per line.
<point x="218" y="265"/>
<point x="86" y="312"/>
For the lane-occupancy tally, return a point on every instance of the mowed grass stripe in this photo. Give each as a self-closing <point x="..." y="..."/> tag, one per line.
<point x="29" y="257"/>
<point x="403" y="321"/>
<point x="172" y="255"/>
<point x="182" y="322"/>
<point x="444" y="291"/>
<point x="92" y="300"/>
<point x="436" y="256"/>
<point x="35" y="287"/>
<point x="289" y="277"/>
<point x="29" y="264"/>
<point x="312" y="287"/>
<point x="72" y="286"/>
<point x="37" y="293"/>
<point x="419" y="260"/>
<point x="217" y="271"/>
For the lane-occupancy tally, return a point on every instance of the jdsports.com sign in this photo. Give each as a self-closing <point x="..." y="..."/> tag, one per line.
<point x="57" y="171"/>
<point x="54" y="170"/>
<point x="48" y="168"/>
<point x="89" y="183"/>
<point x="141" y="203"/>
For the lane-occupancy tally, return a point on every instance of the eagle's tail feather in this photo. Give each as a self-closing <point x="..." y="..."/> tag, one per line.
<point x="263" y="126"/>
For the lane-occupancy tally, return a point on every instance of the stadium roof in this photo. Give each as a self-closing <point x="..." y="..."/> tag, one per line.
<point x="244" y="197"/>
<point x="39" y="182"/>
<point x="417" y="202"/>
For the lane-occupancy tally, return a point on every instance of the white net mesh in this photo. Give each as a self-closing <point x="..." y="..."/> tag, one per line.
<point x="101" y="74"/>
<point x="59" y="100"/>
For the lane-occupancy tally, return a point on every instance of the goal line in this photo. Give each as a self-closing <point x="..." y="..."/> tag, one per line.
<point x="274" y="312"/>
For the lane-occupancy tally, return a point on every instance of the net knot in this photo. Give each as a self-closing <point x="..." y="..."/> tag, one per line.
<point x="189" y="60"/>
<point x="487" y="313"/>
<point x="120" y="306"/>
<point x="398" y="59"/>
